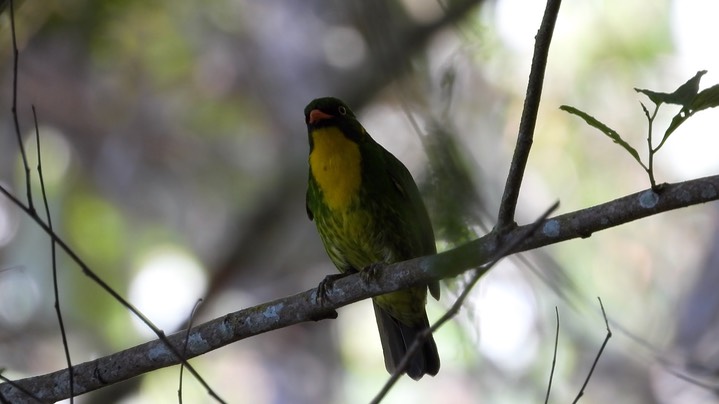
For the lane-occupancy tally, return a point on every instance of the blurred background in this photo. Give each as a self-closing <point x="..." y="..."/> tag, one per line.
<point x="175" y="159"/>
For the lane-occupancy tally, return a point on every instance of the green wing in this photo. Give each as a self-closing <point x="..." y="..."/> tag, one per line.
<point x="410" y="207"/>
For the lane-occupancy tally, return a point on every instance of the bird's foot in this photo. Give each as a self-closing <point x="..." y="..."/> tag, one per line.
<point x="325" y="285"/>
<point x="370" y="272"/>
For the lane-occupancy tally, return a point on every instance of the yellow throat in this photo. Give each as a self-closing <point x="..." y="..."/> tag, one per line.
<point x="335" y="162"/>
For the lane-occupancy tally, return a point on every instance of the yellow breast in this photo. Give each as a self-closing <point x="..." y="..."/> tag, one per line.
<point x="335" y="162"/>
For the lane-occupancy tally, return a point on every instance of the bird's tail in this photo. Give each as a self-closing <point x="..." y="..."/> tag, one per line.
<point x="397" y="338"/>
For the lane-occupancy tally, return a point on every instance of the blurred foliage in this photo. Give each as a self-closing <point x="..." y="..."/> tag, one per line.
<point x="177" y="123"/>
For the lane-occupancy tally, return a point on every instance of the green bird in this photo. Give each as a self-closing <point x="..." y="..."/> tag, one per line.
<point x="368" y="211"/>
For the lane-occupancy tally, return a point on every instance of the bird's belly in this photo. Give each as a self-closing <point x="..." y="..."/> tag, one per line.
<point x="353" y="240"/>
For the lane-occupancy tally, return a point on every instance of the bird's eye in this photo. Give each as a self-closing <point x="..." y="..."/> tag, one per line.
<point x="342" y="110"/>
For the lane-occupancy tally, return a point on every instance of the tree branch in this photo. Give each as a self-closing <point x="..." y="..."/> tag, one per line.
<point x="303" y="307"/>
<point x="529" y="116"/>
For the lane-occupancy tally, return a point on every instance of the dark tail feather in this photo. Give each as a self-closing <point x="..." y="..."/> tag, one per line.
<point x="397" y="338"/>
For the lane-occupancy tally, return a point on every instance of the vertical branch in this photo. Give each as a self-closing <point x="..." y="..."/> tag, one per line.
<point x="529" y="116"/>
<point x="16" y="57"/>
<point x="652" y="150"/>
<point x="53" y="249"/>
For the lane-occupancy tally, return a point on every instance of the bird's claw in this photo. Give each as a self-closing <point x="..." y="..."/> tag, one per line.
<point x="325" y="285"/>
<point x="370" y="272"/>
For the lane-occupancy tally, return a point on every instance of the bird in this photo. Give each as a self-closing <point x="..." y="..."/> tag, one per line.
<point x="368" y="212"/>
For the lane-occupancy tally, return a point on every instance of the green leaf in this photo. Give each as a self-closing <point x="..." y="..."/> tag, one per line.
<point x="611" y="133"/>
<point x="707" y="98"/>
<point x="655" y="97"/>
<point x="646" y="111"/>
<point x="684" y="95"/>
<point x="678" y="119"/>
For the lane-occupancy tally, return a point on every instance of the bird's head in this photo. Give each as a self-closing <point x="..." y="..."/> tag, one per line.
<point x="328" y="111"/>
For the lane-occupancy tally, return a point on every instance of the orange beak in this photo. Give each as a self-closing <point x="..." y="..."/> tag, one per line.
<point x="316" y="115"/>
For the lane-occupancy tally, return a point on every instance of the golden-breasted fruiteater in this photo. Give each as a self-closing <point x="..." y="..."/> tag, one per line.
<point x="368" y="211"/>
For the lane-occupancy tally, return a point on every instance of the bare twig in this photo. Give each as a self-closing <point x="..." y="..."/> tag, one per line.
<point x="107" y="288"/>
<point x="53" y="252"/>
<point x="16" y="58"/>
<point x="27" y="394"/>
<point x="29" y="209"/>
<point x="554" y="357"/>
<point x="184" y="348"/>
<point x="529" y="116"/>
<point x="596" y="359"/>
<point x="649" y="168"/>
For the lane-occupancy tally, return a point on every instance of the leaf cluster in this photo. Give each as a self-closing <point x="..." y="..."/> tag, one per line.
<point x="687" y="96"/>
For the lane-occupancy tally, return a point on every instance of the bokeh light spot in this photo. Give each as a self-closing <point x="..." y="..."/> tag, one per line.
<point x="167" y="285"/>
<point x="18" y="297"/>
<point x="344" y="47"/>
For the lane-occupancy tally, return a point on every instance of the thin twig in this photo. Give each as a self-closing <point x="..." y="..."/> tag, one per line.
<point x="16" y="58"/>
<point x="596" y="359"/>
<point x="529" y="116"/>
<point x="554" y="357"/>
<point x="53" y="250"/>
<point x="17" y="386"/>
<point x="107" y="288"/>
<point x="56" y="240"/>
<point x="651" y="150"/>
<point x="184" y="347"/>
<point x="421" y="338"/>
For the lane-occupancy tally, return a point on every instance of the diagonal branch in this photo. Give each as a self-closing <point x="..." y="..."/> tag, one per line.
<point x="303" y="307"/>
<point x="107" y="288"/>
<point x="529" y="116"/>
